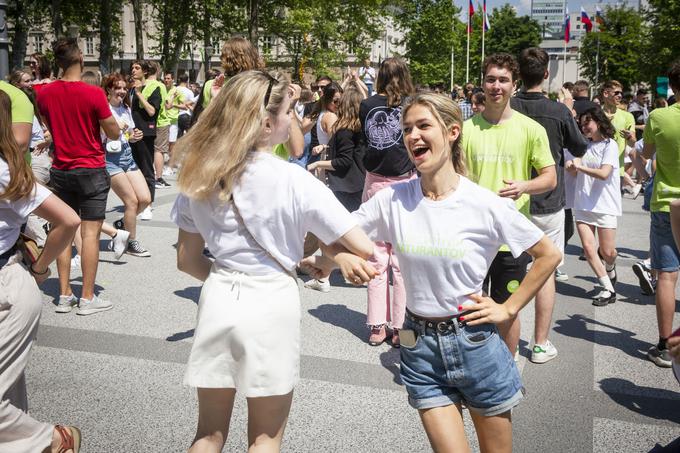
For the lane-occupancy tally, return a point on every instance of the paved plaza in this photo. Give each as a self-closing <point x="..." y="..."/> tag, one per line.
<point x="118" y="375"/>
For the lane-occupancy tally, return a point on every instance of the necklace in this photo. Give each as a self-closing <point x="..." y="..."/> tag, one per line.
<point x="439" y="196"/>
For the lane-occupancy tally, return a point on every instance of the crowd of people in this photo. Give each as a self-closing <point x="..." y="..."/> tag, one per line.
<point x="454" y="210"/>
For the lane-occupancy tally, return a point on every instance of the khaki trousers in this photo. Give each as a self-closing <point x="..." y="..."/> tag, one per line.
<point x="20" y="306"/>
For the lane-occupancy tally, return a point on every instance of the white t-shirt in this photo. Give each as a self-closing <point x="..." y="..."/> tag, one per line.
<point x="37" y="134"/>
<point x="13" y="214"/>
<point x="280" y="203"/>
<point x="123" y="115"/>
<point x="187" y="96"/>
<point x="445" y="247"/>
<point x="367" y="75"/>
<point x="595" y="195"/>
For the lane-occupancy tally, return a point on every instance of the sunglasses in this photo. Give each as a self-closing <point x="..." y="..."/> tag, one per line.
<point x="618" y="93"/>
<point x="272" y="81"/>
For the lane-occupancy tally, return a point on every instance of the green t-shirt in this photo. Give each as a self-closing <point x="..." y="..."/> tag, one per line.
<point x="207" y="92"/>
<point x="149" y="88"/>
<point x="494" y="152"/>
<point x="22" y="108"/>
<point x="622" y="120"/>
<point x="173" y="113"/>
<point x="663" y="131"/>
<point x="281" y="151"/>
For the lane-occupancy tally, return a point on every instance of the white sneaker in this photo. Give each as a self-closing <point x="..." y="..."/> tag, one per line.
<point x="75" y="262"/>
<point x="319" y="285"/>
<point x="120" y="243"/>
<point x="636" y="190"/>
<point x="168" y="171"/>
<point x="66" y="303"/>
<point x="146" y="214"/>
<point x="542" y="353"/>
<point x="95" y="305"/>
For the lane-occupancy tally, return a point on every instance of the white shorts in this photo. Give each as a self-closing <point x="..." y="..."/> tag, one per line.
<point x="174" y="129"/>
<point x="553" y="227"/>
<point x="247" y="335"/>
<point x="596" y="219"/>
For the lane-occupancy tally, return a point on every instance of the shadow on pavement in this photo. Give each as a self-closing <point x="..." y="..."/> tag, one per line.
<point x="625" y="292"/>
<point x="193" y="293"/>
<point x="673" y="447"/>
<point x="180" y="335"/>
<point x="637" y="399"/>
<point x="390" y="360"/>
<point x="625" y="252"/>
<point x="577" y="326"/>
<point x="341" y="316"/>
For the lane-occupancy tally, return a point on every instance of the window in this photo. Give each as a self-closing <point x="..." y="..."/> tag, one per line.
<point x="351" y="47"/>
<point x="89" y="45"/>
<point x="38" y="41"/>
<point x="267" y="45"/>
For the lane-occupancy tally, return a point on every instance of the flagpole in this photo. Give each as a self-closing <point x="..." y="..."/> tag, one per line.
<point x="481" y="71"/>
<point x="467" y="64"/>
<point x="564" y="68"/>
<point x="453" y="6"/>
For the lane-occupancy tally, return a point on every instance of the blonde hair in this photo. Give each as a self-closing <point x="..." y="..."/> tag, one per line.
<point x="447" y="113"/>
<point x="215" y="151"/>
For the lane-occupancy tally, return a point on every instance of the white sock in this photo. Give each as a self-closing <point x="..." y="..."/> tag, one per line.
<point x="610" y="267"/>
<point x="606" y="283"/>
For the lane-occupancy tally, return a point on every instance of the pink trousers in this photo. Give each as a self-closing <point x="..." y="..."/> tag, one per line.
<point x="381" y="308"/>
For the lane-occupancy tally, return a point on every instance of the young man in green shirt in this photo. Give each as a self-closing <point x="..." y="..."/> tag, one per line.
<point x="22" y="115"/>
<point x="161" y="143"/>
<point x="624" y="123"/>
<point x="502" y="146"/>
<point x="662" y="136"/>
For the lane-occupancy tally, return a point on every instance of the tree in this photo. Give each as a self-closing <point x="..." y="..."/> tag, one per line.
<point x="661" y="49"/>
<point x="620" y="43"/>
<point x="137" y="12"/>
<point x="431" y="29"/>
<point x="510" y="33"/>
<point x="24" y="15"/>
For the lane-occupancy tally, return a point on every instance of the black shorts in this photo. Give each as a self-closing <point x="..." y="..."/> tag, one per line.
<point x="85" y="190"/>
<point x="505" y="275"/>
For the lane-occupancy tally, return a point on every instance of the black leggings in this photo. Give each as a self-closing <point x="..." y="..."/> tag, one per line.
<point x="142" y="151"/>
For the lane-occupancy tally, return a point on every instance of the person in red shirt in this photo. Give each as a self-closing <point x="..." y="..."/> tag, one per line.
<point x="74" y="113"/>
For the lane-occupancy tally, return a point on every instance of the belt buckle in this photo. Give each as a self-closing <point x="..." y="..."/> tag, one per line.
<point x="443" y="327"/>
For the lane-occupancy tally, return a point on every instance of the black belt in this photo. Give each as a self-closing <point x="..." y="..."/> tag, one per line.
<point x="445" y="325"/>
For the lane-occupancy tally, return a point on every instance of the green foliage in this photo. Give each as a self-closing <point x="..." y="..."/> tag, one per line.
<point x="509" y="33"/>
<point x="661" y="46"/>
<point x="620" y="44"/>
<point x="431" y="29"/>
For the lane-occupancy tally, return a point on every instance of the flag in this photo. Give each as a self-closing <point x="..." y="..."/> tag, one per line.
<point x="486" y="18"/>
<point x="599" y="18"/>
<point x="471" y="12"/>
<point x="585" y="20"/>
<point x="567" y="25"/>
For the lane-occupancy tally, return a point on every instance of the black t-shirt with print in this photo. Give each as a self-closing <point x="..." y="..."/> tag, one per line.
<point x="382" y="138"/>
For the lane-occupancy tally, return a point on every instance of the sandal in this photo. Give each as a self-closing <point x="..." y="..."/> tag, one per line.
<point x="70" y="438"/>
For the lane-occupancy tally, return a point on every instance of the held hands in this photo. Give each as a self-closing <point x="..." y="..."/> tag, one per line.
<point x="513" y="189"/>
<point x="313" y="166"/>
<point x="317" y="266"/>
<point x="356" y="270"/>
<point x="136" y="136"/>
<point x="318" y="149"/>
<point x="485" y="311"/>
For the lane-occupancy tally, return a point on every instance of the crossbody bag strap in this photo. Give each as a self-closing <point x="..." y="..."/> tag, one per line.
<point x="238" y="214"/>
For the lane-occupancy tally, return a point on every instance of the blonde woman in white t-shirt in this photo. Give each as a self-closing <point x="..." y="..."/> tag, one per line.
<point x="597" y="200"/>
<point x="252" y="210"/>
<point x="446" y="231"/>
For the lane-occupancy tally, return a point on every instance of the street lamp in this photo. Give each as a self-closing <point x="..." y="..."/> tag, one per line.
<point x="4" y="41"/>
<point x="121" y="54"/>
<point x="73" y="31"/>
<point x="208" y="50"/>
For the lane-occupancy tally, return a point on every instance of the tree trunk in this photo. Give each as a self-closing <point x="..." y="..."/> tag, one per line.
<point x="139" y="30"/>
<point x="253" y="22"/>
<point x="177" y="49"/>
<point x="105" y="37"/>
<point x="165" y="41"/>
<point x="57" y="19"/>
<point x="207" y="42"/>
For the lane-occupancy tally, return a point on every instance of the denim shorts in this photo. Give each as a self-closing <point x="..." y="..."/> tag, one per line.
<point x="120" y="162"/>
<point x="663" y="250"/>
<point x="468" y="364"/>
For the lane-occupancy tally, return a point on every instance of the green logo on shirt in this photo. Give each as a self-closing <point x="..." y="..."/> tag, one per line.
<point x="512" y="286"/>
<point x="433" y="247"/>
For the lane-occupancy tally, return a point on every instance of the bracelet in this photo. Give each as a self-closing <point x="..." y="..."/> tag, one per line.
<point x="30" y="268"/>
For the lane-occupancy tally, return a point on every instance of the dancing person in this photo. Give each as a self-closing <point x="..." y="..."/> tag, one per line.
<point x="344" y="167"/>
<point x="597" y="200"/>
<point x="386" y="162"/>
<point x="74" y="113"/>
<point x="127" y="181"/>
<point x="20" y="79"/>
<point x="447" y="231"/>
<point x="508" y="153"/>
<point x="20" y="297"/>
<point x="242" y="200"/>
<point x="547" y="209"/>
<point x="161" y="142"/>
<point x="367" y="76"/>
<point x="662" y="136"/>
<point x="145" y="105"/>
